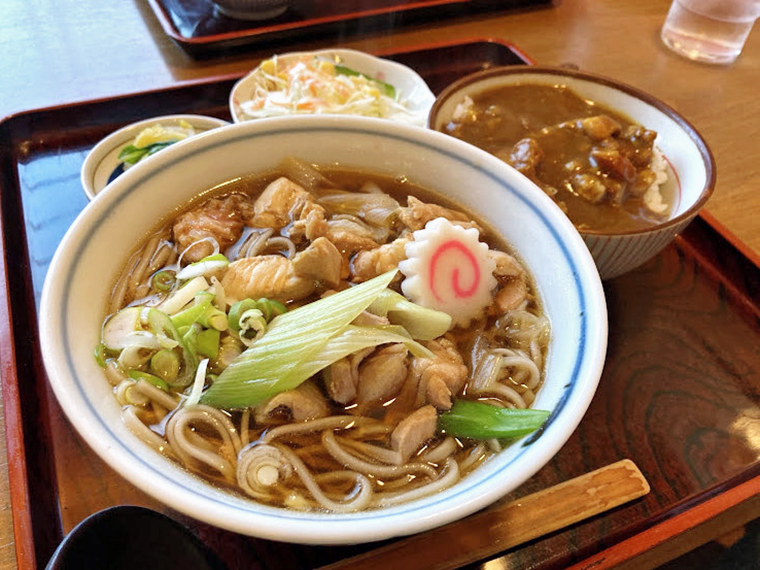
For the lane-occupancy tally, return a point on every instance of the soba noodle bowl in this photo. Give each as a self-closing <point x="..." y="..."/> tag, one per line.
<point x="289" y="337"/>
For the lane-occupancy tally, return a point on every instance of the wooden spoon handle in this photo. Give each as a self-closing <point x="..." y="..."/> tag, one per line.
<point x="507" y="524"/>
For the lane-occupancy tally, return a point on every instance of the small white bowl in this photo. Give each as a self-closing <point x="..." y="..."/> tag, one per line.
<point x="95" y="248"/>
<point x="413" y="92"/>
<point x="101" y="165"/>
<point x="685" y="150"/>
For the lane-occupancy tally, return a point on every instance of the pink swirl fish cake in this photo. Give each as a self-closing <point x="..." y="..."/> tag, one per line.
<point x="449" y="269"/>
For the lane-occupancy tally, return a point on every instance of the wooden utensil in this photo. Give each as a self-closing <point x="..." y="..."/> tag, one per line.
<point x="508" y="524"/>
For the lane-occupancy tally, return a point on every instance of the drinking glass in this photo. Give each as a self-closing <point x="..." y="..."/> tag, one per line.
<point x="712" y="31"/>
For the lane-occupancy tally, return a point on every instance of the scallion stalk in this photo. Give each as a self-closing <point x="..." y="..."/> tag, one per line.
<point x="478" y="420"/>
<point x="279" y="359"/>
<point x="119" y="327"/>
<point x="190" y="337"/>
<point x="205" y="266"/>
<point x="198" y="383"/>
<point x="237" y="310"/>
<point x="421" y="322"/>
<point x="253" y="325"/>
<point x="269" y="309"/>
<point x="184" y="295"/>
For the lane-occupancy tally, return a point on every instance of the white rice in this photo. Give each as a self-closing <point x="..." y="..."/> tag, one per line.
<point x="653" y="197"/>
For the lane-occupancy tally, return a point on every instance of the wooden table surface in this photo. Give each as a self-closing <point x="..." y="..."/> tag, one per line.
<point x="58" y="52"/>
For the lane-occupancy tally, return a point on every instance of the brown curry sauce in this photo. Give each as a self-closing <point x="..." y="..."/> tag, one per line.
<point x="594" y="162"/>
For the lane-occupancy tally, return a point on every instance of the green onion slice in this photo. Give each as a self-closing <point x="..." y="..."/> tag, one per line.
<point x="478" y="420"/>
<point x="100" y="354"/>
<point x="163" y="280"/>
<point x="151" y="378"/>
<point x="205" y="266"/>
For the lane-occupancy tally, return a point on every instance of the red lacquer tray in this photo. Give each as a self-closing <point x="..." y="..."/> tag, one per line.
<point x="201" y="29"/>
<point x="680" y="393"/>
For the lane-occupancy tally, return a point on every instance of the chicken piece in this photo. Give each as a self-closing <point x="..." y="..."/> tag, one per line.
<point x="507" y="267"/>
<point x="311" y="225"/>
<point x="270" y="276"/>
<point x="511" y="295"/>
<point x="418" y="213"/>
<point x="298" y="405"/>
<point x="381" y="375"/>
<point x="371" y="263"/>
<point x="218" y="218"/>
<point x="442" y="377"/>
<point x="283" y="202"/>
<point x="512" y="279"/>
<point x="342" y="377"/>
<point x="600" y="127"/>
<point x="525" y="156"/>
<point x="350" y="236"/>
<point x="413" y="431"/>
<point x="321" y="261"/>
<point x="277" y="277"/>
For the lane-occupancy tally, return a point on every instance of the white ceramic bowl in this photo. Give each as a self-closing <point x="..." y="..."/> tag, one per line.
<point x="101" y="163"/>
<point x="686" y="151"/>
<point x="95" y="247"/>
<point x="412" y="91"/>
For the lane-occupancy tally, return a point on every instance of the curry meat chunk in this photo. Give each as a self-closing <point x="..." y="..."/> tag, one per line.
<point x="604" y="161"/>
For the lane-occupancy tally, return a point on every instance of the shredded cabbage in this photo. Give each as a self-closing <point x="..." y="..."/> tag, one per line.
<point x="314" y="85"/>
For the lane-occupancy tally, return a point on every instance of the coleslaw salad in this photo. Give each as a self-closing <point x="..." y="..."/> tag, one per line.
<point x="331" y="83"/>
